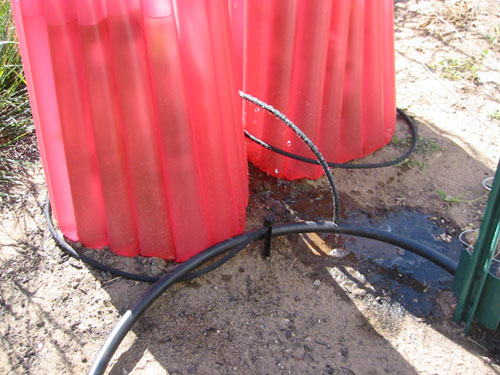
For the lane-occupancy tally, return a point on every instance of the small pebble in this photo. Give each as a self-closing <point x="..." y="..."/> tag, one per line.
<point x="316" y="282"/>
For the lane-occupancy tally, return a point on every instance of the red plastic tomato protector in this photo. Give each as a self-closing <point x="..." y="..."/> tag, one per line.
<point x="138" y="121"/>
<point x="329" y="66"/>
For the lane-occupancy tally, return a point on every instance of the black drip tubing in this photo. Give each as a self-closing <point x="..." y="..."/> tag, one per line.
<point x="239" y="242"/>
<point x="401" y="113"/>
<point x="320" y="159"/>
<point x="94" y="263"/>
<point x="117" y="272"/>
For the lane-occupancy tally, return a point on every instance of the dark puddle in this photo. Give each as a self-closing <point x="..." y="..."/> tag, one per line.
<point x="409" y="279"/>
<point x="395" y="273"/>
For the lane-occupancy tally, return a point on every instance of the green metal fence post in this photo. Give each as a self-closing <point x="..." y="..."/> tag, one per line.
<point x="477" y="289"/>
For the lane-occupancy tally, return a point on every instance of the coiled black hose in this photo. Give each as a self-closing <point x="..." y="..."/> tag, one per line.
<point x="406" y="155"/>
<point x="117" y="272"/>
<point x="94" y="263"/>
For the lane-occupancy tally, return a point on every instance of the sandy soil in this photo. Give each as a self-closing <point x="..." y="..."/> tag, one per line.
<point x="301" y="311"/>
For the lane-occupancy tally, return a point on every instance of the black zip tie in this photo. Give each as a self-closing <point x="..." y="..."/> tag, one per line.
<point x="268" y="223"/>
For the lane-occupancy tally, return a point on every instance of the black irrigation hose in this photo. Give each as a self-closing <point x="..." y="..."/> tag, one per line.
<point x="117" y="272"/>
<point x="320" y="159"/>
<point x="254" y="235"/>
<point x="131" y="316"/>
<point x="178" y="274"/>
<point x="94" y="263"/>
<point x="413" y="145"/>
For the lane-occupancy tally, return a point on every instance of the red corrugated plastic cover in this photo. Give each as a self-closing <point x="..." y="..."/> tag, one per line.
<point x="138" y="121"/>
<point x="329" y="66"/>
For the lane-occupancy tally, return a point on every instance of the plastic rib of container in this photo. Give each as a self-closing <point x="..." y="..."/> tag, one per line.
<point x="138" y="121"/>
<point x="329" y="66"/>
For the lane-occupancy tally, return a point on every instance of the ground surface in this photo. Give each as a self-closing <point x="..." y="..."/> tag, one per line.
<point x="302" y="311"/>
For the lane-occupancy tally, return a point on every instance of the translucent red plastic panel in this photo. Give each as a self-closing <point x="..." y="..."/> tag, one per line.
<point x="138" y="121"/>
<point x="329" y="66"/>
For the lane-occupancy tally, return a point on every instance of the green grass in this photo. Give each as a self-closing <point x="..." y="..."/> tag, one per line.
<point x="424" y="145"/>
<point x="457" y="69"/>
<point x="493" y="35"/>
<point x="495" y="116"/>
<point x="458" y="199"/>
<point x="15" y="113"/>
